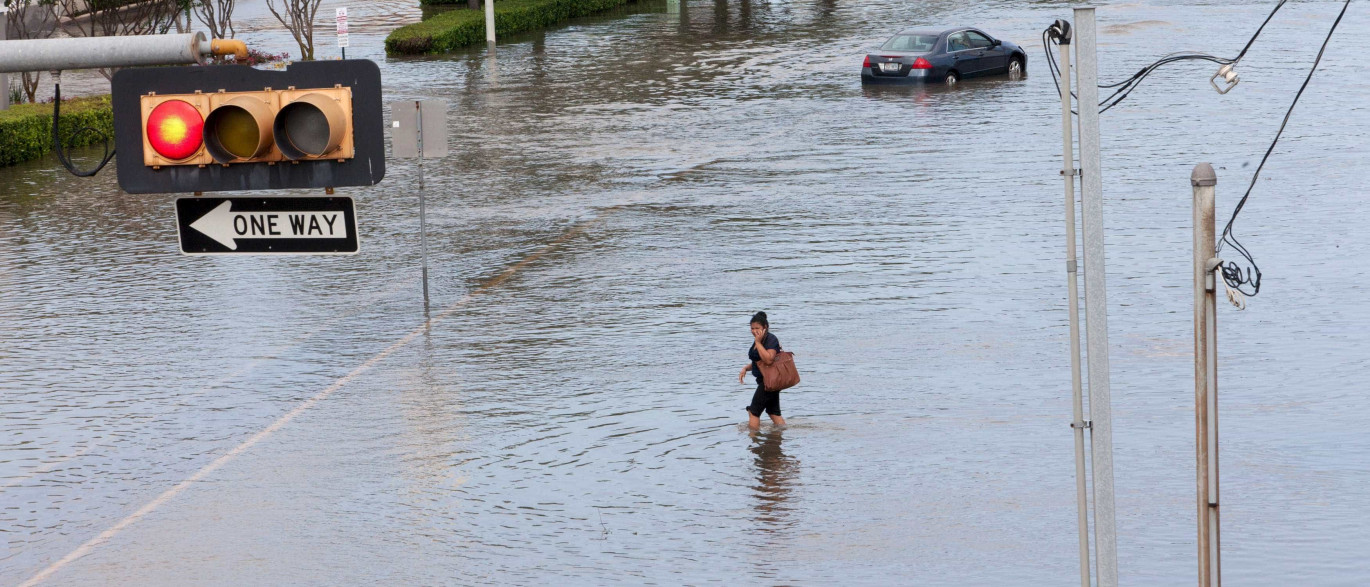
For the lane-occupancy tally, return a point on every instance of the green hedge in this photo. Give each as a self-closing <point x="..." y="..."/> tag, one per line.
<point x="26" y="129"/>
<point x="461" y="28"/>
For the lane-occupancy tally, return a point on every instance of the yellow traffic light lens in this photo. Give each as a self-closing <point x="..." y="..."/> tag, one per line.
<point x="236" y="132"/>
<point x="173" y="129"/>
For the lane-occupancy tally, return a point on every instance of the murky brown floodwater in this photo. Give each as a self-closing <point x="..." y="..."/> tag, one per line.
<point x="622" y="193"/>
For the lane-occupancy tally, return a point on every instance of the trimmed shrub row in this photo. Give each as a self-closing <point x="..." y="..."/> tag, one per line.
<point x="462" y="28"/>
<point x="26" y="129"/>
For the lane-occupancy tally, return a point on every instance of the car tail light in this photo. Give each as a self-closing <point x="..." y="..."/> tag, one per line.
<point x="921" y="63"/>
<point x="867" y="62"/>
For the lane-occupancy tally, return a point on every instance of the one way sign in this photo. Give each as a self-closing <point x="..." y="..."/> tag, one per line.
<point x="310" y="226"/>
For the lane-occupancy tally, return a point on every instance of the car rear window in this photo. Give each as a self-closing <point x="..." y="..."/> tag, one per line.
<point x="914" y="43"/>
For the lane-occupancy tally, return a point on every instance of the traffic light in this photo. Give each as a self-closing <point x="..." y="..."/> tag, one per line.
<point x="232" y="127"/>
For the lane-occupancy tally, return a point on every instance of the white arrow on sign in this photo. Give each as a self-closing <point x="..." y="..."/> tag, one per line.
<point x="226" y="226"/>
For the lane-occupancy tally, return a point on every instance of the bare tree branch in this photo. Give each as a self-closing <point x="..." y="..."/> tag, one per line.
<point x="217" y="16"/>
<point x="298" y="18"/>
<point x="30" y="19"/>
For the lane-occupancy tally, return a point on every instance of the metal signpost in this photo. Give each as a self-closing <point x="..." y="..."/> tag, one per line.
<point x="419" y="131"/>
<point x="342" y="30"/>
<point x="309" y="226"/>
<point x="1096" y="302"/>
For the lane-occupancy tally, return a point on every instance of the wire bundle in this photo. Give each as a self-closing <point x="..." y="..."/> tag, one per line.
<point x="1236" y="276"/>
<point x="57" y="139"/>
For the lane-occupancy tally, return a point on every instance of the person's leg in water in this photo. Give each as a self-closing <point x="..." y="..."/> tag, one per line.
<point x="757" y="406"/>
<point x="776" y="419"/>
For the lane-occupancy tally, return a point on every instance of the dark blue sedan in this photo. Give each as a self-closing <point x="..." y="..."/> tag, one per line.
<point x="942" y="56"/>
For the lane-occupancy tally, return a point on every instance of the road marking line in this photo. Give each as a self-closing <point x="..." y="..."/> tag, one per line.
<point x="242" y="370"/>
<point x="167" y="495"/>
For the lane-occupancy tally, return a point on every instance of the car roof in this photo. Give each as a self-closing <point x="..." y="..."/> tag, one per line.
<point x="933" y="30"/>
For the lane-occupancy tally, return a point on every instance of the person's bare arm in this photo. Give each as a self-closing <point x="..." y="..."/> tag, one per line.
<point x="767" y="355"/>
<point x="742" y="377"/>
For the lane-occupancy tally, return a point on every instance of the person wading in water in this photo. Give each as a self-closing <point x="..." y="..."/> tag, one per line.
<point x="764" y="346"/>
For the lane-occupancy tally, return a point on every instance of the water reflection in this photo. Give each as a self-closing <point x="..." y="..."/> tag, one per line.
<point x="911" y="235"/>
<point x="776" y="474"/>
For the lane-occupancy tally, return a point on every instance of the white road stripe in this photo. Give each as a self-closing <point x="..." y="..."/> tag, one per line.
<point x="167" y="495"/>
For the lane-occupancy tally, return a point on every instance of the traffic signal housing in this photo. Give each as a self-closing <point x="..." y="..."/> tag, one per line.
<point x="232" y="127"/>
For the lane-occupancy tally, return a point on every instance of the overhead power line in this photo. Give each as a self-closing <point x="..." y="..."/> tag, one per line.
<point x="1235" y="275"/>
<point x="1123" y="88"/>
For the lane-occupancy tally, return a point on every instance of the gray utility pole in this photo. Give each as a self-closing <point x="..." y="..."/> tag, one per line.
<point x="1096" y="303"/>
<point x="1068" y="172"/>
<point x="1204" y="182"/>
<point x="95" y="52"/>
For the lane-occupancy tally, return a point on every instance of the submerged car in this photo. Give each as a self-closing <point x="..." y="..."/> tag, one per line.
<point x="942" y="56"/>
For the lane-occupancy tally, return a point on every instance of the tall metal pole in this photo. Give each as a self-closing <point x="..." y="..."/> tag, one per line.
<point x="423" y="216"/>
<point x="4" y="77"/>
<point x="489" y="22"/>
<point x="1096" y="302"/>
<point x="1204" y="181"/>
<point x="1068" y="172"/>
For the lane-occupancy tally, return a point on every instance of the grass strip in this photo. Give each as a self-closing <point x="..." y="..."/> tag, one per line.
<point x="456" y="29"/>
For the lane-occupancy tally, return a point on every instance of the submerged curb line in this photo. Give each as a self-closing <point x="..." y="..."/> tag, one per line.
<point x="175" y="490"/>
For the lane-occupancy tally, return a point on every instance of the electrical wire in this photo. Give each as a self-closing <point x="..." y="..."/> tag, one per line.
<point x="57" y="140"/>
<point x="1124" y="88"/>
<point x="1235" y="275"/>
<point x="1051" y="35"/>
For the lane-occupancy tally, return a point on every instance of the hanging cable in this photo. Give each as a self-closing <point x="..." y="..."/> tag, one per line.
<point x="57" y="139"/>
<point x="1124" y="88"/>
<point x="1235" y="275"/>
<point x="1053" y="35"/>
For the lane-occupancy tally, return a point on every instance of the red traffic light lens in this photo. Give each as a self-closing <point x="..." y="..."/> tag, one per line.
<point x="175" y="129"/>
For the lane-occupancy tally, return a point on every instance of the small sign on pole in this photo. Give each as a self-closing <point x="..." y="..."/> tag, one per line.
<point x="342" y="30"/>
<point x="418" y="128"/>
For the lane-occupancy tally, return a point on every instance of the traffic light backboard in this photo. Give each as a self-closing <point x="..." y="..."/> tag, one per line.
<point x="230" y="127"/>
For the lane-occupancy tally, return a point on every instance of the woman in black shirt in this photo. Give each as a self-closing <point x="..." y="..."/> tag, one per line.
<point x="764" y="346"/>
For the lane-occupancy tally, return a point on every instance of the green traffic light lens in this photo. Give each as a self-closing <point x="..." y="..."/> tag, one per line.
<point x="305" y="127"/>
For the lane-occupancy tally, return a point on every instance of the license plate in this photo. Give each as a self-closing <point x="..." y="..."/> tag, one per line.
<point x="887" y="67"/>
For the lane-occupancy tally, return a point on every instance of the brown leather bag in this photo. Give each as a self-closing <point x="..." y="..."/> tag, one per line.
<point x="780" y="372"/>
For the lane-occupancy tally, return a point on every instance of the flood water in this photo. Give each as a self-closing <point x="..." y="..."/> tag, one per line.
<point x="622" y="193"/>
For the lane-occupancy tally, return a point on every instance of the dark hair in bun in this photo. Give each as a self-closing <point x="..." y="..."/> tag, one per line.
<point x="760" y="318"/>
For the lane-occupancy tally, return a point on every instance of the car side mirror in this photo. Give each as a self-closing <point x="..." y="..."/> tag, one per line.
<point x="997" y="42"/>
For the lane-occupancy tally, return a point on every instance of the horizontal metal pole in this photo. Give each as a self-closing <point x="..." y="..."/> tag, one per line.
<point x="97" y="52"/>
